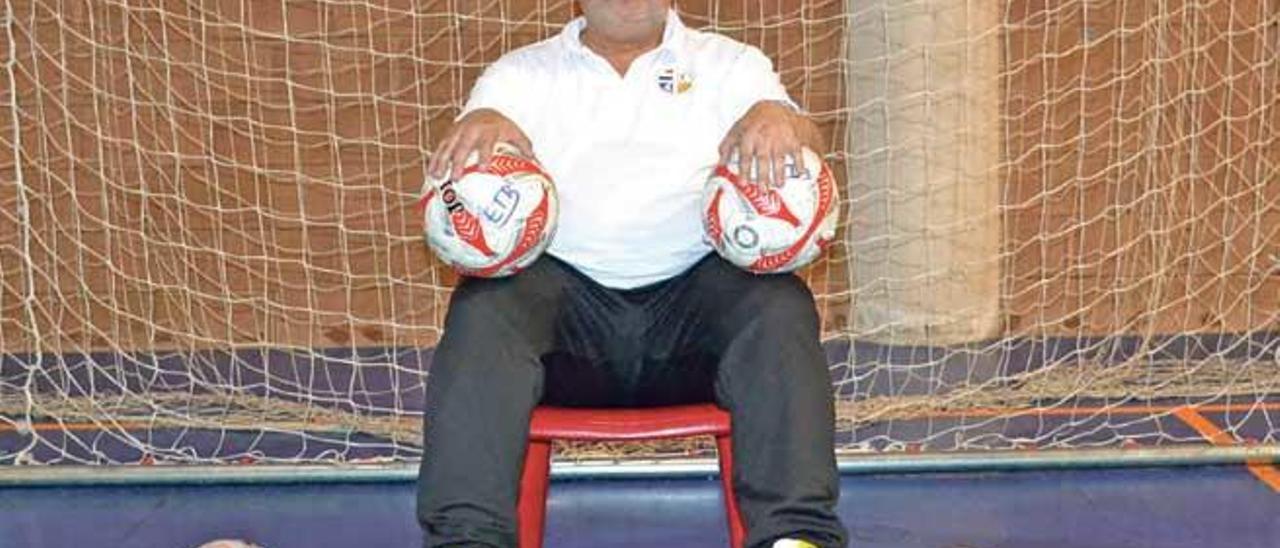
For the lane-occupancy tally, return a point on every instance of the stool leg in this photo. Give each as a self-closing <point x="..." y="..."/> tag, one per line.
<point x="532" y="505"/>
<point x="737" y="531"/>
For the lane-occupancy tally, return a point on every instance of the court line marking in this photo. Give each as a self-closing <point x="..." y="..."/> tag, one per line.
<point x="1116" y="410"/>
<point x="1265" y="472"/>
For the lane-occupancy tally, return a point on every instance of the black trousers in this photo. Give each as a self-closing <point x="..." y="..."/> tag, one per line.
<point x="552" y="335"/>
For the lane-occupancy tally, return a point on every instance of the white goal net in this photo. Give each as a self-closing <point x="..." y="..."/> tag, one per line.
<point x="1061" y="225"/>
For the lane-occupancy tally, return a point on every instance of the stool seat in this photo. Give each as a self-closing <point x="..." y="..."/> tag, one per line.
<point x="679" y="421"/>
<point x="548" y="424"/>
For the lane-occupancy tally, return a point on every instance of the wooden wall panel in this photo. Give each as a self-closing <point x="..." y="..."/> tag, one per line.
<point x="247" y="172"/>
<point x="236" y="152"/>
<point x="1142" y="166"/>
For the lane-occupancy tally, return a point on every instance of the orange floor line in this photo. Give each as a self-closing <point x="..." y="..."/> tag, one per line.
<point x="1265" y="472"/>
<point x="1118" y="410"/>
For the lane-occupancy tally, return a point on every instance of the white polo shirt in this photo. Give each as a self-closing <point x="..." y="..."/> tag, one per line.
<point x="629" y="154"/>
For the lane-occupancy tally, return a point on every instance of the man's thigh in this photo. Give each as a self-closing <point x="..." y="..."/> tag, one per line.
<point x="695" y="319"/>
<point x="582" y="334"/>
<point x="716" y="301"/>
<point x="659" y="346"/>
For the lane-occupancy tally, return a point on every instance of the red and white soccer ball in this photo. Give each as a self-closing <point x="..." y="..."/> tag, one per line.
<point x="768" y="230"/>
<point x="493" y="221"/>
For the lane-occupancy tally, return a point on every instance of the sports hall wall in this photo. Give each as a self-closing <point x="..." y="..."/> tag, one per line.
<point x="220" y="174"/>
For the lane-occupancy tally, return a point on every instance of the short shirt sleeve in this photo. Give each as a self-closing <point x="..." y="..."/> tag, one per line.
<point x="751" y="79"/>
<point x="503" y="87"/>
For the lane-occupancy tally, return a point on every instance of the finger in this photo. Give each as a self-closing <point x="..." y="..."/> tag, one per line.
<point x="761" y="169"/>
<point x="797" y="160"/>
<point x="813" y="137"/>
<point x="746" y="162"/>
<point x="768" y="169"/>
<point x="779" y="160"/>
<point x="524" y="146"/>
<point x="484" y="145"/>
<point x="764" y="168"/>
<point x="461" y="151"/>
<point x="440" y="159"/>
<point x="728" y="145"/>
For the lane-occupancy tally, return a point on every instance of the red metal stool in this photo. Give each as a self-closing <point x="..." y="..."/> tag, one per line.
<point x="558" y="423"/>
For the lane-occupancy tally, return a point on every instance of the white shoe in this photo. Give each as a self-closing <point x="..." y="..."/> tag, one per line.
<point x="793" y="543"/>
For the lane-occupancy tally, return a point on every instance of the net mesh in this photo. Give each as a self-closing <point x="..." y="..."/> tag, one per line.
<point x="1061" y="229"/>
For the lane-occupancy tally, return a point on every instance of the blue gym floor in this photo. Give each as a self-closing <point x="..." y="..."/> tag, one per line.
<point x="1121" y="508"/>
<point x="1211" y="507"/>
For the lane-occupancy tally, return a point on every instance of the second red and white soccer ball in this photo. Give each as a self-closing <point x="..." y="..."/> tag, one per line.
<point x="493" y="221"/>
<point x="772" y="229"/>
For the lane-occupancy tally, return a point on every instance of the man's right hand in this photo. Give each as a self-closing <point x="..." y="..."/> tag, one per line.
<point x="478" y="131"/>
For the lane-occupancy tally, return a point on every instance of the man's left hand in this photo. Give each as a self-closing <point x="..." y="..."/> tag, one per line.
<point x="763" y="138"/>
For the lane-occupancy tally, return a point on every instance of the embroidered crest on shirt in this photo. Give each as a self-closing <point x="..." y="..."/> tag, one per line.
<point x="674" y="81"/>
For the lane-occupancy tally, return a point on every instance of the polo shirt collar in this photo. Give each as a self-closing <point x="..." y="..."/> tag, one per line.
<point x="673" y="36"/>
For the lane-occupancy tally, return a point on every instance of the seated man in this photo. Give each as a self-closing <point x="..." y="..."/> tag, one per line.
<point x="627" y="109"/>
